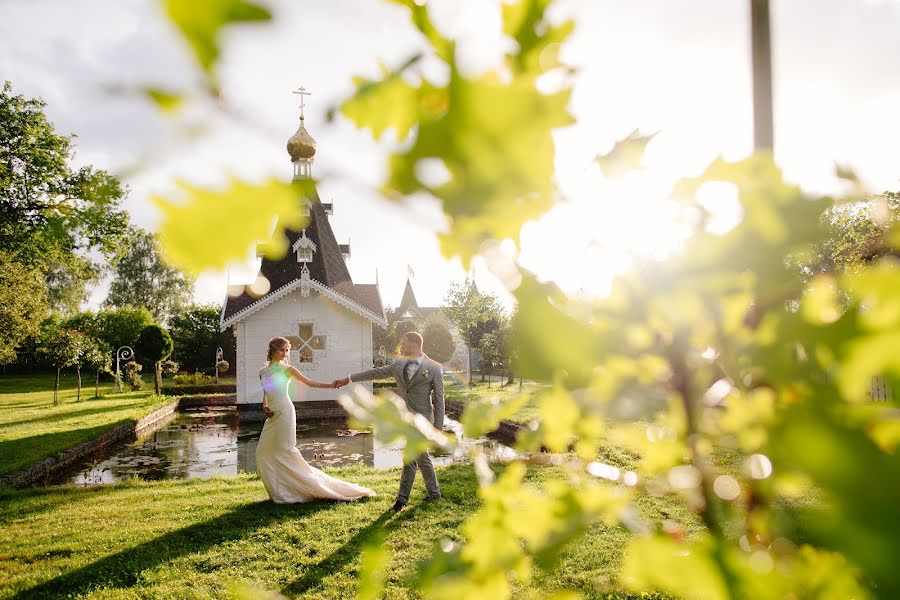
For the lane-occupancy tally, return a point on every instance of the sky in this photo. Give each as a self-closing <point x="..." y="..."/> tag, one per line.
<point x="677" y="67"/>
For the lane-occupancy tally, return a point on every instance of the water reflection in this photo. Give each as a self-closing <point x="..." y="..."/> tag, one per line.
<point x="205" y="443"/>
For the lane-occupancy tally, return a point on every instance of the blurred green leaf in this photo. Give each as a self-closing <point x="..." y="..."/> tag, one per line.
<point x="559" y="417"/>
<point x="391" y="103"/>
<point x="374" y="561"/>
<point x="680" y="569"/>
<point x="250" y="591"/>
<point x="484" y="415"/>
<point x="517" y="521"/>
<point x="241" y="215"/>
<point x="538" y="42"/>
<point x="556" y="342"/>
<point x="166" y="100"/>
<point x="861" y="484"/>
<point x="874" y="289"/>
<point x="846" y="172"/>
<point x="201" y="22"/>
<point x="491" y="134"/>
<point x="391" y="421"/>
<point x="784" y="571"/>
<point x="443" y="47"/>
<point x="821" y="303"/>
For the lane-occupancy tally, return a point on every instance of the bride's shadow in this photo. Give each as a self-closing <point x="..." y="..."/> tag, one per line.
<point x="123" y="569"/>
<point x="349" y="550"/>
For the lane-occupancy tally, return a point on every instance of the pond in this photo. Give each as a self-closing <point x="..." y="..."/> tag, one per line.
<point x="206" y="442"/>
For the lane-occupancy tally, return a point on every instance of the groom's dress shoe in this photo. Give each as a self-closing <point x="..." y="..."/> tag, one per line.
<point x="432" y="498"/>
<point x="398" y="506"/>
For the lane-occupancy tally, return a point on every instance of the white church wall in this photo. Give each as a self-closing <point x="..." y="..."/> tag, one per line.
<point x="240" y="368"/>
<point x="347" y="348"/>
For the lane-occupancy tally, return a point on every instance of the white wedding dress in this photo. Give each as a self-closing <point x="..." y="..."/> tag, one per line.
<point x="287" y="476"/>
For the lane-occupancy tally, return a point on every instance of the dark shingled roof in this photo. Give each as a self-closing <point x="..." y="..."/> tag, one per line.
<point x="409" y="302"/>
<point x="365" y="294"/>
<point x="327" y="267"/>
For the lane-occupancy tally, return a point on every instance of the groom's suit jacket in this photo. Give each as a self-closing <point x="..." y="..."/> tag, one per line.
<point x="423" y="391"/>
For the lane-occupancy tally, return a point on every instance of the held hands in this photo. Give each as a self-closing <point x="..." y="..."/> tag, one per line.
<point x="268" y="411"/>
<point x="339" y="383"/>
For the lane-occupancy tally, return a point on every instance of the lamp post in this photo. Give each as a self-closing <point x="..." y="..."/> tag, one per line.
<point x="220" y="356"/>
<point x="123" y="353"/>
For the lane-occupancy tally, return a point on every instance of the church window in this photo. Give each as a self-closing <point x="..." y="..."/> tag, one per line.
<point x="306" y="343"/>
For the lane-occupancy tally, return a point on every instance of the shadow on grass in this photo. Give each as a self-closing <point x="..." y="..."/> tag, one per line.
<point x="72" y="414"/>
<point x="349" y="550"/>
<point x="24" y="504"/>
<point x="24" y="452"/>
<point x="459" y="489"/>
<point x="124" y="569"/>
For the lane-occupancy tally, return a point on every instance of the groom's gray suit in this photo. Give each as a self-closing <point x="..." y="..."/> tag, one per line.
<point x="423" y="392"/>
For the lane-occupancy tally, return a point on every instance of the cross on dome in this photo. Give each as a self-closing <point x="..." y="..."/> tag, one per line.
<point x="301" y="146"/>
<point x="301" y="91"/>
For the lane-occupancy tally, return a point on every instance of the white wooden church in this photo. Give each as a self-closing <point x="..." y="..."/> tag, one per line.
<point x="311" y="300"/>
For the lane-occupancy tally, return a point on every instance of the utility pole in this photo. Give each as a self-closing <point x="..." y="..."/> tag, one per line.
<point x="761" y="49"/>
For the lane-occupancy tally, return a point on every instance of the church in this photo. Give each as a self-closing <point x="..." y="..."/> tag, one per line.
<point x="311" y="300"/>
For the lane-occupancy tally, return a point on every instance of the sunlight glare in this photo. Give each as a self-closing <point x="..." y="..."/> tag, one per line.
<point x="584" y="243"/>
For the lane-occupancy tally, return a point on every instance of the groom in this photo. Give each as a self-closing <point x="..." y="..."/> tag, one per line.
<point x="420" y="382"/>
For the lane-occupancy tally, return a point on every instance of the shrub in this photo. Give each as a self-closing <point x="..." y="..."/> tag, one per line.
<point x="195" y="378"/>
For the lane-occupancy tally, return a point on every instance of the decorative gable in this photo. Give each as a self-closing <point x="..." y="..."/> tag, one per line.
<point x="304" y="247"/>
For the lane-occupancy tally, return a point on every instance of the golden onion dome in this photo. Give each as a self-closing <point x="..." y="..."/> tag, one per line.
<point x="301" y="145"/>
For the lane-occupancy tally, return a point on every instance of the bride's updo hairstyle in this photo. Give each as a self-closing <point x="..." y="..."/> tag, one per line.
<point x="276" y="343"/>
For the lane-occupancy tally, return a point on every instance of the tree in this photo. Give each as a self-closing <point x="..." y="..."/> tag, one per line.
<point x="62" y="348"/>
<point x="385" y="336"/>
<point x="512" y="348"/>
<point x="141" y="278"/>
<point x="54" y="219"/>
<point x="855" y="235"/>
<point x="94" y="355"/>
<point x="494" y="350"/>
<point x="400" y="329"/>
<point x="489" y="355"/>
<point x="439" y="342"/>
<point x="22" y="305"/>
<point x="121" y="326"/>
<point x="154" y="345"/>
<point x="87" y="322"/>
<point x="473" y="313"/>
<point x="195" y="333"/>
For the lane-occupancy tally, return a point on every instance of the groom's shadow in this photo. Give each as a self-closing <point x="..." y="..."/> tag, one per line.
<point x="124" y="569"/>
<point x="348" y="551"/>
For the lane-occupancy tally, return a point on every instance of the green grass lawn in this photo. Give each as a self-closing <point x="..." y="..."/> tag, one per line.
<point x="196" y="538"/>
<point x="32" y="428"/>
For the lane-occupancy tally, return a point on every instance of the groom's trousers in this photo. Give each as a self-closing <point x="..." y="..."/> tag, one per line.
<point x="423" y="463"/>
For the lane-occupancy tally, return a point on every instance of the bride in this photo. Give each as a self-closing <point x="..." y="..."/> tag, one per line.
<point x="287" y="476"/>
